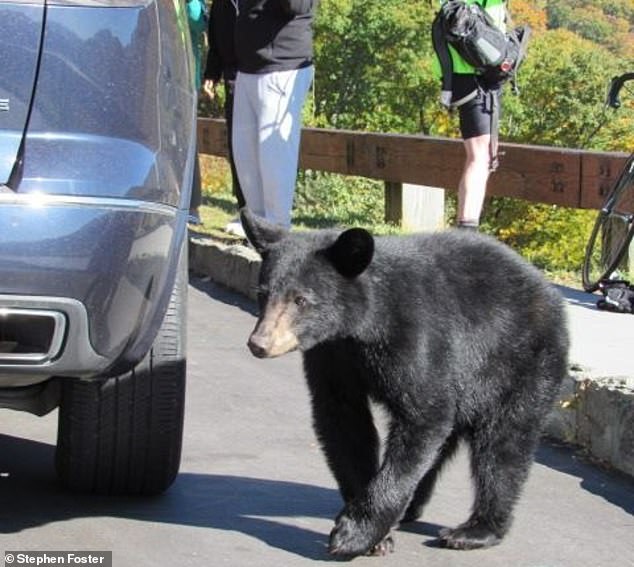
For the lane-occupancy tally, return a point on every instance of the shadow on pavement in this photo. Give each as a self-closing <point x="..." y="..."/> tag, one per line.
<point x="615" y="487"/>
<point x="579" y="297"/>
<point x="223" y="294"/>
<point x="260" y="508"/>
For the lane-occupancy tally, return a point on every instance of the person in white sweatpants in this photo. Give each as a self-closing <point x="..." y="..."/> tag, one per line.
<point x="267" y="120"/>
<point x="273" y="43"/>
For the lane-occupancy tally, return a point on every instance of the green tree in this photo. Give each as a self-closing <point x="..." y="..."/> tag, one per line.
<point x="374" y="73"/>
<point x="372" y="64"/>
<point x="565" y="77"/>
<point x="606" y="22"/>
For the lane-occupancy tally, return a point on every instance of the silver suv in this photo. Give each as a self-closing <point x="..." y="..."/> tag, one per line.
<point x="97" y="147"/>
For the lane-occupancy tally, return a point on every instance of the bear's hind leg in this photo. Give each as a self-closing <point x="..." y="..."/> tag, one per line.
<point x="426" y="485"/>
<point x="500" y="462"/>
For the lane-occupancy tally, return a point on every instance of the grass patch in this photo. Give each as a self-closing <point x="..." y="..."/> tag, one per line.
<point x="322" y="200"/>
<point x="219" y="205"/>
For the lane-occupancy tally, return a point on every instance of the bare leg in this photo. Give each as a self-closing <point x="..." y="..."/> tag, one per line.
<point x="473" y="183"/>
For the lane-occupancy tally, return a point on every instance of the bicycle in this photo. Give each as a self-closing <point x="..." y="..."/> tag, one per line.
<point x="606" y="260"/>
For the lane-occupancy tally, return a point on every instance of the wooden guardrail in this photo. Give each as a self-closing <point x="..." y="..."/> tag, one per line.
<point x="559" y="176"/>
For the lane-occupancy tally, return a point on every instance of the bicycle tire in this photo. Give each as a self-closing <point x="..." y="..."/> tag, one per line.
<point x="605" y="255"/>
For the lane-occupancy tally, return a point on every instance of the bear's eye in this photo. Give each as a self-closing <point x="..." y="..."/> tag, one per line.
<point x="300" y="301"/>
<point x="262" y="294"/>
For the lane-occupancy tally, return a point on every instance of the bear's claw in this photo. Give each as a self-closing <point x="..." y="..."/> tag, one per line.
<point x="349" y="539"/>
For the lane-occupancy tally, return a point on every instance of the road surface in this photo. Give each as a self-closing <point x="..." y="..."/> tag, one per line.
<point x="254" y="488"/>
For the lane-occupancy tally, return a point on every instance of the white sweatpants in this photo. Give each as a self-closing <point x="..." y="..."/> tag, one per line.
<point x="267" y="120"/>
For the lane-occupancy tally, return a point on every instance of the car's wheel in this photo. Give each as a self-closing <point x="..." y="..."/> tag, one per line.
<point x="123" y="435"/>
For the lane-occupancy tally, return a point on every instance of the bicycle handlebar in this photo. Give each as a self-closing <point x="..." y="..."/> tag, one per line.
<point x="615" y="88"/>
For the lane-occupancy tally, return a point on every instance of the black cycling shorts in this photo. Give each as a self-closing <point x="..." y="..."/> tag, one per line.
<point x="475" y="115"/>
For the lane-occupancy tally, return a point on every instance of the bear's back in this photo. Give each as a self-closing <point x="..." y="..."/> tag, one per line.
<point x="460" y="275"/>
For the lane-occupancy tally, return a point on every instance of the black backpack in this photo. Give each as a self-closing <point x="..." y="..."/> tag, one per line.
<point x="468" y="28"/>
<point x="618" y="296"/>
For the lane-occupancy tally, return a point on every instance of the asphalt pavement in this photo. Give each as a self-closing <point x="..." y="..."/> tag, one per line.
<point x="254" y="488"/>
<point x="601" y="341"/>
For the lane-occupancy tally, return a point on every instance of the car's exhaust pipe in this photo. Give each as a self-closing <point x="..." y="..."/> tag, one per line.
<point x="30" y="336"/>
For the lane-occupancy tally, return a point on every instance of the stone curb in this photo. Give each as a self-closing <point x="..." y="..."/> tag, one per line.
<point x="593" y="412"/>
<point x="232" y="265"/>
<point x="597" y="414"/>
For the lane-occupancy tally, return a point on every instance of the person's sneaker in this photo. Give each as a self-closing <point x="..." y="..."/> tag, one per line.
<point x="235" y="227"/>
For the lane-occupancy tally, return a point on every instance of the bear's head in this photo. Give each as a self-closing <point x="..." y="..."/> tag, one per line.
<point x="312" y="287"/>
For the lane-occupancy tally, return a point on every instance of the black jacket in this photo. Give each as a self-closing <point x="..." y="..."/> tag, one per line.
<point x="221" y="58"/>
<point x="274" y="35"/>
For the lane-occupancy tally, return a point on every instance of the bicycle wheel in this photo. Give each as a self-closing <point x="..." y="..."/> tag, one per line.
<point x="607" y="253"/>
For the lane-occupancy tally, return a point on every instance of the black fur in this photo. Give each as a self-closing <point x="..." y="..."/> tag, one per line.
<point x="453" y="333"/>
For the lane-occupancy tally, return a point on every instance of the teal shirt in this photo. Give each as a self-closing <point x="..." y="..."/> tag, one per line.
<point x="196" y="16"/>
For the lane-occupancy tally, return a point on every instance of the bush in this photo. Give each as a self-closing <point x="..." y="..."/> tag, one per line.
<point x="215" y="175"/>
<point x="326" y="199"/>
<point x="552" y="238"/>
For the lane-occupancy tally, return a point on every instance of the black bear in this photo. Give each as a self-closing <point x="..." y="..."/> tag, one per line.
<point x="452" y="332"/>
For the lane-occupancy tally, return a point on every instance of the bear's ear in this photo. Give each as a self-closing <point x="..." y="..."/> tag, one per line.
<point x="352" y="252"/>
<point x="260" y="232"/>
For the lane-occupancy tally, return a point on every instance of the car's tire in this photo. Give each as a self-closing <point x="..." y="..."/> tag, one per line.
<point x="123" y="435"/>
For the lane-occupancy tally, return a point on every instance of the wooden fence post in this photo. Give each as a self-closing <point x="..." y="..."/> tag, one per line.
<point x="415" y="208"/>
<point x="393" y="203"/>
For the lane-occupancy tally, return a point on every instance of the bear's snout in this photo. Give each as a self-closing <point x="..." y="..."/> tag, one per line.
<point x="274" y="334"/>
<point x="269" y="346"/>
<point x="257" y="346"/>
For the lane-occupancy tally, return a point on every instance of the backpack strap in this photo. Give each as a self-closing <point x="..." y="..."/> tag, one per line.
<point x="444" y="57"/>
<point x="494" y="161"/>
<point x="492" y="106"/>
<point x="521" y="35"/>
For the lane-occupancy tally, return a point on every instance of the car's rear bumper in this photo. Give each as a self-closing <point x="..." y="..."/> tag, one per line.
<point x="105" y="265"/>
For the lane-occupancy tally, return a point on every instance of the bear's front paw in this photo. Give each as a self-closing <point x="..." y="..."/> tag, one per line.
<point x="350" y="538"/>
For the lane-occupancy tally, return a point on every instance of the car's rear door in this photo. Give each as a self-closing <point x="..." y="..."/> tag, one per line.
<point x="21" y="24"/>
